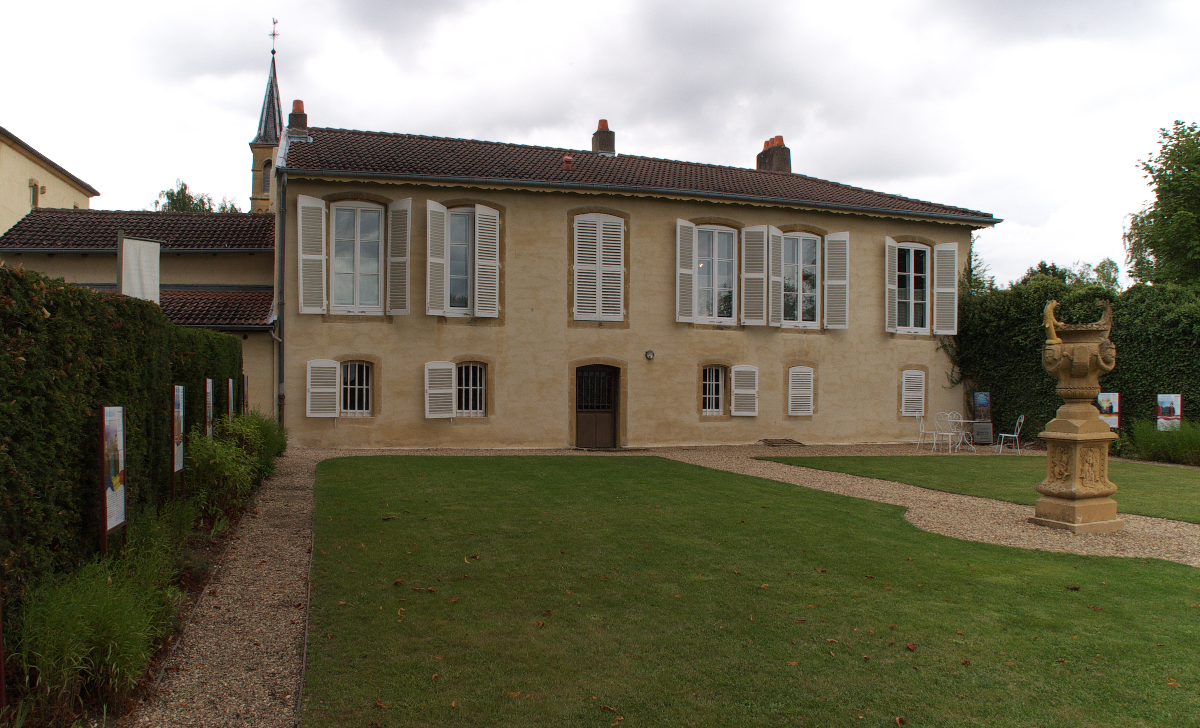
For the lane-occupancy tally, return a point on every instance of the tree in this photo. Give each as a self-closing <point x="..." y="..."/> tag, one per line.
<point x="181" y="199"/>
<point x="1162" y="242"/>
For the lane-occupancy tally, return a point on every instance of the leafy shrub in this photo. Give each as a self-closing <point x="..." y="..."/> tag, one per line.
<point x="1169" y="446"/>
<point x="220" y="474"/>
<point x="274" y="439"/>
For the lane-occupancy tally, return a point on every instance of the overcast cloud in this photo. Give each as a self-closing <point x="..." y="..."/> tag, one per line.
<point x="1037" y="112"/>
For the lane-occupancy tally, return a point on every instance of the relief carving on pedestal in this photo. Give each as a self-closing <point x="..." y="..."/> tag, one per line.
<point x="1090" y="467"/>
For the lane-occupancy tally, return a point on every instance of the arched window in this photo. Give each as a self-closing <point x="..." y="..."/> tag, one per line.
<point x="266" y="177"/>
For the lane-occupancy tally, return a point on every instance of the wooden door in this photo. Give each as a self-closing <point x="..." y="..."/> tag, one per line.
<point x="596" y="406"/>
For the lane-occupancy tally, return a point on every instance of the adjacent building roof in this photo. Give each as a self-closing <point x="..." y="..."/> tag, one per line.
<point x="270" y="121"/>
<point x="230" y="307"/>
<point x="344" y="152"/>
<point x="83" y="186"/>
<point x="47" y="229"/>
<point x="218" y="307"/>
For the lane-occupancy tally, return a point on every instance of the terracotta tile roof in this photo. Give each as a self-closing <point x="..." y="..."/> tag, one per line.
<point x="46" y="228"/>
<point x="408" y="156"/>
<point x="87" y="189"/>
<point x="217" y="308"/>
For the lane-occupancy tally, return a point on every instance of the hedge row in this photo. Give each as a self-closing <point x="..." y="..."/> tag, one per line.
<point x="66" y="352"/>
<point x="1156" y="330"/>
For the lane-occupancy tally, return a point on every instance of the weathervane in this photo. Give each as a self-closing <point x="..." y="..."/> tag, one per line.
<point x="274" y="34"/>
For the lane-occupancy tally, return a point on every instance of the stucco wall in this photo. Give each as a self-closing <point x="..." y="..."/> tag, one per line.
<point x="16" y="169"/>
<point x="533" y="348"/>
<point x="196" y="268"/>
<point x="258" y="364"/>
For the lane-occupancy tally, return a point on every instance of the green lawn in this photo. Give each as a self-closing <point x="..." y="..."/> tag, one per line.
<point x="1146" y="489"/>
<point x="540" y="591"/>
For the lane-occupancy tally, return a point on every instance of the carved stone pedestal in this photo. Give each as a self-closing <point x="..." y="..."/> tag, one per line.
<point x="1075" y="493"/>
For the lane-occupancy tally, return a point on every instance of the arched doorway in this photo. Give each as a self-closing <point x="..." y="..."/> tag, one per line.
<point x="596" y="394"/>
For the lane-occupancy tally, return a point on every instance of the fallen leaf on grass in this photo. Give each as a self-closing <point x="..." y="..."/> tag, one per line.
<point x="375" y="724"/>
<point x="801" y="620"/>
<point x="1009" y="664"/>
<point x="515" y="695"/>
<point x="547" y="612"/>
<point x="958" y="630"/>
<point x="379" y="704"/>
<point x="831" y="640"/>
<point x="390" y="518"/>
<point x="1073" y="588"/>
<point x="604" y="578"/>
<point x="541" y="624"/>
<point x="900" y="720"/>
<point x="1060" y="660"/>
<point x="790" y="662"/>
<point x="435" y="677"/>
<point x="605" y="707"/>
<point x="893" y="626"/>
<point x="678" y="596"/>
<point x="911" y="647"/>
<point x="967" y="663"/>
<point x="764" y="586"/>
<point x="452" y="705"/>
<point x="820" y="571"/>
<point x="866" y="657"/>
<point x="455" y="599"/>
<point x="397" y="582"/>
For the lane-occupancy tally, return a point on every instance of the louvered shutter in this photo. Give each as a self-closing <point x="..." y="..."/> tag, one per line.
<point x="436" y="231"/>
<point x="800" y="391"/>
<point x="945" y="289"/>
<point x="487" y="262"/>
<point x="891" y="297"/>
<point x="744" y="391"/>
<point x="323" y="383"/>
<point x="775" y="270"/>
<point x="439" y="389"/>
<point x="399" y="238"/>
<point x="685" y="271"/>
<point x="312" y="259"/>
<point x="837" y="281"/>
<point x="912" y="393"/>
<point x="754" y="276"/>
<point x="612" y="268"/>
<point x="587" y="268"/>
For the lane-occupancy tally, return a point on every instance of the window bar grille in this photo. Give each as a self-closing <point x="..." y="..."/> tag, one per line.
<point x="356" y="388"/>
<point x="472" y="399"/>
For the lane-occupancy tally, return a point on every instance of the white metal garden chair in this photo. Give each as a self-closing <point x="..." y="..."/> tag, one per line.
<point x="922" y="433"/>
<point x="1016" y="434"/>
<point x="941" y="430"/>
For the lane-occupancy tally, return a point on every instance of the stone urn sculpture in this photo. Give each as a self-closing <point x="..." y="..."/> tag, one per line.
<point x="1076" y="492"/>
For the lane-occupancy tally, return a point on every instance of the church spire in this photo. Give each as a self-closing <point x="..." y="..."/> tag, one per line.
<point x="270" y="121"/>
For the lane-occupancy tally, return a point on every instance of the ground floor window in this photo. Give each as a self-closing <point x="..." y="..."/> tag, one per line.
<point x="356" y="389"/>
<point x="471" y="384"/>
<point x="712" y="391"/>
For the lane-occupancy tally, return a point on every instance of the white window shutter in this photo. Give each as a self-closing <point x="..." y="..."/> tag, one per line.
<point x="439" y="389"/>
<point x="891" y="297"/>
<point x="945" y="289"/>
<point x="775" y="266"/>
<point x="436" y="232"/>
<point x="487" y="262"/>
<point x="612" y="268"/>
<point x="754" y="276"/>
<point x="837" y="281"/>
<point x="912" y="393"/>
<point x="323" y="384"/>
<point x="399" y="239"/>
<point x="587" y="268"/>
<point x="685" y="271"/>
<point x="744" y="392"/>
<point x="800" y="391"/>
<point x="310" y="232"/>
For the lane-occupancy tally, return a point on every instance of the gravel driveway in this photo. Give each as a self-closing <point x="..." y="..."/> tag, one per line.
<point x="239" y="660"/>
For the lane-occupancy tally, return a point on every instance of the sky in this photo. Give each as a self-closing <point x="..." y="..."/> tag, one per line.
<point x="1038" y="112"/>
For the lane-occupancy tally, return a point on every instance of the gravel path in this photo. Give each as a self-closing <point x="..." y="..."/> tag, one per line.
<point x="240" y="659"/>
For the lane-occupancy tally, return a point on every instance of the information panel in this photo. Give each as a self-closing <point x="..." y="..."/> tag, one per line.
<point x="208" y="407"/>
<point x="1109" y="404"/>
<point x="1169" y="411"/>
<point x="229" y="398"/>
<point x="177" y="427"/>
<point x="112" y="464"/>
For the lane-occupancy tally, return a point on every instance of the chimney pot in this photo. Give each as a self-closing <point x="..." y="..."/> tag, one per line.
<point x="604" y="140"/>
<point x="775" y="157"/>
<point x="567" y="161"/>
<point x="298" y="120"/>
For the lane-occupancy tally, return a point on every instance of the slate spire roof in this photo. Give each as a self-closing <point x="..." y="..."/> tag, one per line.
<point x="270" y="122"/>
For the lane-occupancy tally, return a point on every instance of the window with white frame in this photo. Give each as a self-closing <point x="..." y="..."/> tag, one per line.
<point x="598" y="274"/>
<point x="716" y="273"/>
<point x="356" y="389"/>
<point x="357" y="258"/>
<point x="471" y="389"/>
<point x="922" y="288"/>
<point x="463" y="261"/>
<point x="801" y="280"/>
<point x="912" y="277"/>
<point x="712" y="391"/>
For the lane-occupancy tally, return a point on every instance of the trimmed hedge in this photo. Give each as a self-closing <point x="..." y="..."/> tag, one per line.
<point x="66" y="352"/>
<point x="1156" y="330"/>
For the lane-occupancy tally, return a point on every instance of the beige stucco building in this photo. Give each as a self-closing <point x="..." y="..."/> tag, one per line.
<point x="28" y="180"/>
<point x="453" y="293"/>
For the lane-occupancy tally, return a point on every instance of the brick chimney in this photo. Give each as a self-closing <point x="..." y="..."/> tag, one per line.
<point x="298" y="120"/>
<point x="775" y="157"/>
<point x="604" y="142"/>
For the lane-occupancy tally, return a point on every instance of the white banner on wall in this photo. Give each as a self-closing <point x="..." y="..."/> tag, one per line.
<point x="112" y="445"/>
<point x="138" y="267"/>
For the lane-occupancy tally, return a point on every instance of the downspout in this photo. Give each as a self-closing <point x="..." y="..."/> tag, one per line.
<point x="280" y="251"/>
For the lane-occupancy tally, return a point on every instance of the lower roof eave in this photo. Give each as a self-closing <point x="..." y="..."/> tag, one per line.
<point x="231" y="327"/>
<point x="113" y="250"/>
<point x="974" y="220"/>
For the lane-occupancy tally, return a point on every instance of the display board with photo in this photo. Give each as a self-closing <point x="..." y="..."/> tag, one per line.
<point x="1168" y="409"/>
<point x="208" y="407"/>
<point x="1109" y="404"/>
<point x="229" y="398"/>
<point x="177" y="428"/>
<point x="112" y="463"/>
